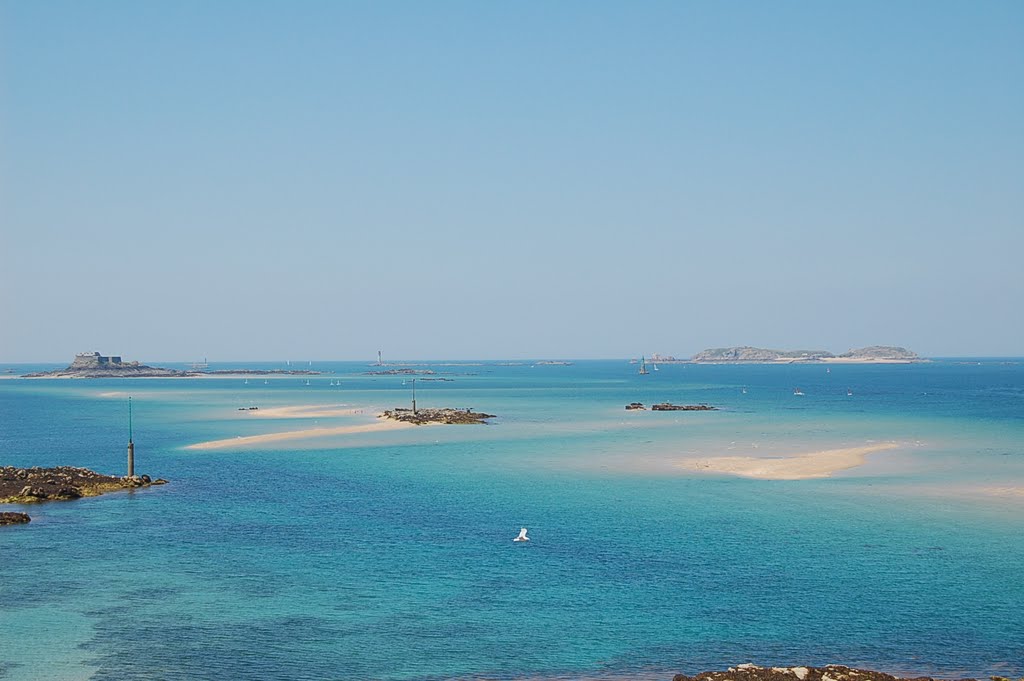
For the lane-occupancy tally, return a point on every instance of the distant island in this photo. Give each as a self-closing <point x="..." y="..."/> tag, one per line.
<point x="747" y="354"/>
<point x="95" y="365"/>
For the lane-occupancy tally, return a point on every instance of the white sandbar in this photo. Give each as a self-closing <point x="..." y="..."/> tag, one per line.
<point x="300" y="435"/>
<point x="821" y="464"/>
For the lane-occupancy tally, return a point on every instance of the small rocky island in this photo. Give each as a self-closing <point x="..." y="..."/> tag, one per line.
<point x="448" y="416"/>
<point x="95" y="365"/>
<point x="832" y="672"/>
<point x="668" y="406"/>
<point x="62" y="483"/>
<point x="748" y="354"/>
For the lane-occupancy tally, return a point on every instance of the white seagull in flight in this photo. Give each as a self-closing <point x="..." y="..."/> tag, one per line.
<point x="522" y="535"/>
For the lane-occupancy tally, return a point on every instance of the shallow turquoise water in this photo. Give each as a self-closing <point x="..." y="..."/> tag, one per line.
<point x="388" y="555"/>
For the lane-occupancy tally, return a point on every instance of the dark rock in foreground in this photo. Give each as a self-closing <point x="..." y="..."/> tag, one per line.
<point x="633" y="406"/>
<point x="31" y="485"/>
<point x="832" y="672"/>
<point x="425" y="416"/>
<point x="665" y="406"/>
<point x="8" y="518"/>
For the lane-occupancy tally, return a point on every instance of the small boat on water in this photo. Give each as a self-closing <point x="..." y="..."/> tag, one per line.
<point x="798" y="391"/>
<point x="849" y="392"/>
<point x="643" y="367"/>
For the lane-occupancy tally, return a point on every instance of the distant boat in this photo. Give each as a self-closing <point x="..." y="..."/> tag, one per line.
<point x="744" y="391"/>
<point x="522" y="535"/>
<point x="643" y="366"/>
<point x="307" y="381"/>
<point x="654" y="365"/>
<point x="266" y="382"/>
<point x="798" y="391"/>
<point x="828" y="370"/>
<point x="247" y="381"/>
<point x="849" y="392"/>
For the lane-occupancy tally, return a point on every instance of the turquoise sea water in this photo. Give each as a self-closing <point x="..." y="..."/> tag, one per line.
<point x="388" y="555"/>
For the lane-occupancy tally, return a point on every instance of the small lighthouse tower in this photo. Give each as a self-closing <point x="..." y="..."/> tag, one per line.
<point x="131" y="445"/>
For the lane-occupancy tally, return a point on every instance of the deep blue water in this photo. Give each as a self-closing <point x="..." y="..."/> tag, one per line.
<point x="388" y="555"/>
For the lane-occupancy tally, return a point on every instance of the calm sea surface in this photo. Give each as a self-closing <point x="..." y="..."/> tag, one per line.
<point x="388" y="555"/>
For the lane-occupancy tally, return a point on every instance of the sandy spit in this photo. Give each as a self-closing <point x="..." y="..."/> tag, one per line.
<point x="821" y="464"/>
<point x="298" y="435"/>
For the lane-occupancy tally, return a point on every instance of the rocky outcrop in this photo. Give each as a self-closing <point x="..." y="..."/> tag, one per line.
<point x="832" y="672"/>
<point x="447" y="416"/>
<point x="8" y="518"/>
<point x="666" y="406"/>
<point x="633" y="406"/>
<point x="32" y="485"/>
<point x="400" y="372"/>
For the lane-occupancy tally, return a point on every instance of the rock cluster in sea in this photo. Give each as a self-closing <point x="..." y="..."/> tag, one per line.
<point x="9" y="518"/>
<point x="667" y="406"/>
<point x="832" y="672"/>
<point x="449" y="416"/>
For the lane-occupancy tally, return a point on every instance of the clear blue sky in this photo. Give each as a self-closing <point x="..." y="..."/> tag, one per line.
<point x="271" y="180"/>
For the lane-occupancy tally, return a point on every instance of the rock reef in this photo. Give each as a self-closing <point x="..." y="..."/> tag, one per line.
<point x="448" y="416"/>
<point x="8" y="518"/>
<point x="32" y="485"/>
<point x="667" y="406"/>
<point x="832" y="672"/>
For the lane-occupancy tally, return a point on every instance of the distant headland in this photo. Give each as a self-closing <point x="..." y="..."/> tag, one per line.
<point x="881" y="354"/>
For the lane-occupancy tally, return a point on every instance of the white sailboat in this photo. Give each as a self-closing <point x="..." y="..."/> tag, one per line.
<point x="643" y="366"/>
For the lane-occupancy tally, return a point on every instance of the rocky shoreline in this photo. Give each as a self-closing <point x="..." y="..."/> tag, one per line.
<point x="447" y="416"/>
<point x="832" y="672"/>
<point x="61" y="483"/>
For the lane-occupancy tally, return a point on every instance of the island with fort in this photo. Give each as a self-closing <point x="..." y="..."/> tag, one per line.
<point x="875" y="354"/>
<point x="60" y="483"/>
<point x="95" y="365"/>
